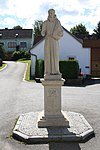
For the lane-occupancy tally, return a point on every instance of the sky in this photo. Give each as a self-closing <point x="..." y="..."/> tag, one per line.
<point x="69" y="12"/>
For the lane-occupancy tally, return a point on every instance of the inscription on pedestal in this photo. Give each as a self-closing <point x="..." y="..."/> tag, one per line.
<point x="52" y="93"/>
<point x="52" y="101"/>
<point x="52" y="105"/>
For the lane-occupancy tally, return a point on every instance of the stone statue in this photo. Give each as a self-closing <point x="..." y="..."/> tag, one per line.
<point x="53" y="31"/>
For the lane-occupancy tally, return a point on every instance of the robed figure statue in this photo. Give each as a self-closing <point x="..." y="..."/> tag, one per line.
<point x="53" y="31"/>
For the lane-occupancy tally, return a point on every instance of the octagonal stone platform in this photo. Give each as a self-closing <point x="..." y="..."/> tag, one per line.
<point x="27" y="130"/>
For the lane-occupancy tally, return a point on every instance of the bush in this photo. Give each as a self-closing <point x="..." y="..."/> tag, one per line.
<point x="69" y="69"/>
<point x="39" y="68"/>
<point x="0" y="62"/>
<point x="8" y="56"/>
<point x="20" y="54"/>
<point x="16" y="55"/>
<point x="27" y="55"/>
<point x="2" y="52"/>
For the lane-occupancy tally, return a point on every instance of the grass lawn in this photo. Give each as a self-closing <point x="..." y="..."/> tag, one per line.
<point x="3" y="65"/>
<point x="27" y="76"/>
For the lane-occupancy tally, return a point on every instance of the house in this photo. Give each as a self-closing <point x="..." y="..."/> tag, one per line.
<point x="94" y="44"/>
<point x="12" y="39"/>
<point x="70" y="48"/>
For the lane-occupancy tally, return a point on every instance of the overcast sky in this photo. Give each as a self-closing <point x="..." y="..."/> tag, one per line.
<point x="69" y="12"/>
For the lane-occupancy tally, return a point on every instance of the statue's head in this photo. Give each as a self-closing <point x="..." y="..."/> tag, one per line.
<point x="51" y="13"/>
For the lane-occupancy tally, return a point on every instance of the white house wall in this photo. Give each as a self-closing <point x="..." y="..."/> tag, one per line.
<point x="73" y="48"/>
<point x="69" y="47"/>
<point x="33" y="59"/>
<point x="39" y="50"/>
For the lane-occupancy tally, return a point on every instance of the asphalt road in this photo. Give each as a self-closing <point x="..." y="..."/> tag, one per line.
<point x="18" y="96"/>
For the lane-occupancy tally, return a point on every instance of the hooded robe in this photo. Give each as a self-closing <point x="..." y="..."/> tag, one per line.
<point x="52" y="30"/>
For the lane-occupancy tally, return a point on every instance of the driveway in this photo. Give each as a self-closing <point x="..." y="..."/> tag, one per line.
<point x="18" y="96"/>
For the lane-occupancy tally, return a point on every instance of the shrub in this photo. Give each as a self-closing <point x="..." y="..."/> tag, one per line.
<point x="69" y="69"/>
<point x="0" y="62"/>
<point x="16" y="55"/>
<point x="2" y="52"/>
<point x="8" y="56"/>
<point x="39" y="68"/>
<point x="27" y="55"/>
<point x="20" y="54"/>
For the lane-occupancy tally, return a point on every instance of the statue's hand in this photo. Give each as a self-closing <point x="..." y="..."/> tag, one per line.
<point x="53" y="37"/>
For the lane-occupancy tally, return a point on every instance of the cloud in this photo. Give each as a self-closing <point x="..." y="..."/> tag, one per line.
<point x="70" y="13"/>
<point x="3" y="4"/>
<point x="9" y="22"/>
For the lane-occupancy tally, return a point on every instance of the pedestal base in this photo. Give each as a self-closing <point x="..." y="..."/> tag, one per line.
<point x="52" y="77"/>
<point x="26" y="129"/>
<point x="52" y="103"/>
<point x="52" y="121"/>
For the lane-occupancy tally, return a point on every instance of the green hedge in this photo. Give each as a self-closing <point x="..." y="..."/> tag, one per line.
<point x="39" y="68"/>
<point x="68" y="68"/>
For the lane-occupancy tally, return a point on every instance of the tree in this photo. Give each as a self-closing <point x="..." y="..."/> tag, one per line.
<point x="97" y="31"/>
<point x="17" y="27"/>
<point x="79" y="31"/>
<point x="37" y="27"/>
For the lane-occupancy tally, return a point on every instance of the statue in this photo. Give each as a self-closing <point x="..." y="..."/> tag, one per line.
<point x="53" y="31"/>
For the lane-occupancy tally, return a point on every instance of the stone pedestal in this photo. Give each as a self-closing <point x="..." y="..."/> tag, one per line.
<point x="52" y="115"/>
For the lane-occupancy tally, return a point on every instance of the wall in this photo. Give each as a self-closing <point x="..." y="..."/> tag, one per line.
<point x="73" y="48"/>
<point x="18" y="41"/>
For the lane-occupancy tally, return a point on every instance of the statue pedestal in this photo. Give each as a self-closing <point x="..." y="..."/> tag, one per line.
<point x="52" y="115"/>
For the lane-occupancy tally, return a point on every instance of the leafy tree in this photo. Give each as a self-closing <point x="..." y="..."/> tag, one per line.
<point x="97" y="31"/>
<point x="79" y="31"/>
<point x="17" y="27"/>
<point x="37" y="27"/>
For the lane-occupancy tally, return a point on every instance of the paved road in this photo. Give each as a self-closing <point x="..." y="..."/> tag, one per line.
<point x="18" y="96"/>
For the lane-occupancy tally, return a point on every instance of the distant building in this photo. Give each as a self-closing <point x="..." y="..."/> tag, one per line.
<point x="94" y="44"/>
<point x="16" y="39"/>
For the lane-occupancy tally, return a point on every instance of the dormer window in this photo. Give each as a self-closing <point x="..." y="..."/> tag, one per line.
<point x="0" y="34"/>
<point x="16" y="35"/>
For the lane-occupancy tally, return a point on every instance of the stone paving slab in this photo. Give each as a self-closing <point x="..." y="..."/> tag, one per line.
<point x="26" y="129"/>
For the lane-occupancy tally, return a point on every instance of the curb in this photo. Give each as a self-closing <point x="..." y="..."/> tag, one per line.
<point x="27" y="130"/>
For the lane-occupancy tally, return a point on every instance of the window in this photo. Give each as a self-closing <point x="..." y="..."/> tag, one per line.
<point x="11" y="44"/>
<point x="23" y="45"/>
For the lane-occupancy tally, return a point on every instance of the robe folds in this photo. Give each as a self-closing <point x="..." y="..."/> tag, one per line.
<point x="53" y="31"/>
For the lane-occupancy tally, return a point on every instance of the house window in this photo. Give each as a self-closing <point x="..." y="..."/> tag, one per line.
<point x="11" y="44"/>
<point x="23" y="45"/>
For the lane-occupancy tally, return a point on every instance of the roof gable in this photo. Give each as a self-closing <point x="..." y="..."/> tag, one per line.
<point x="11" y="33"/>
